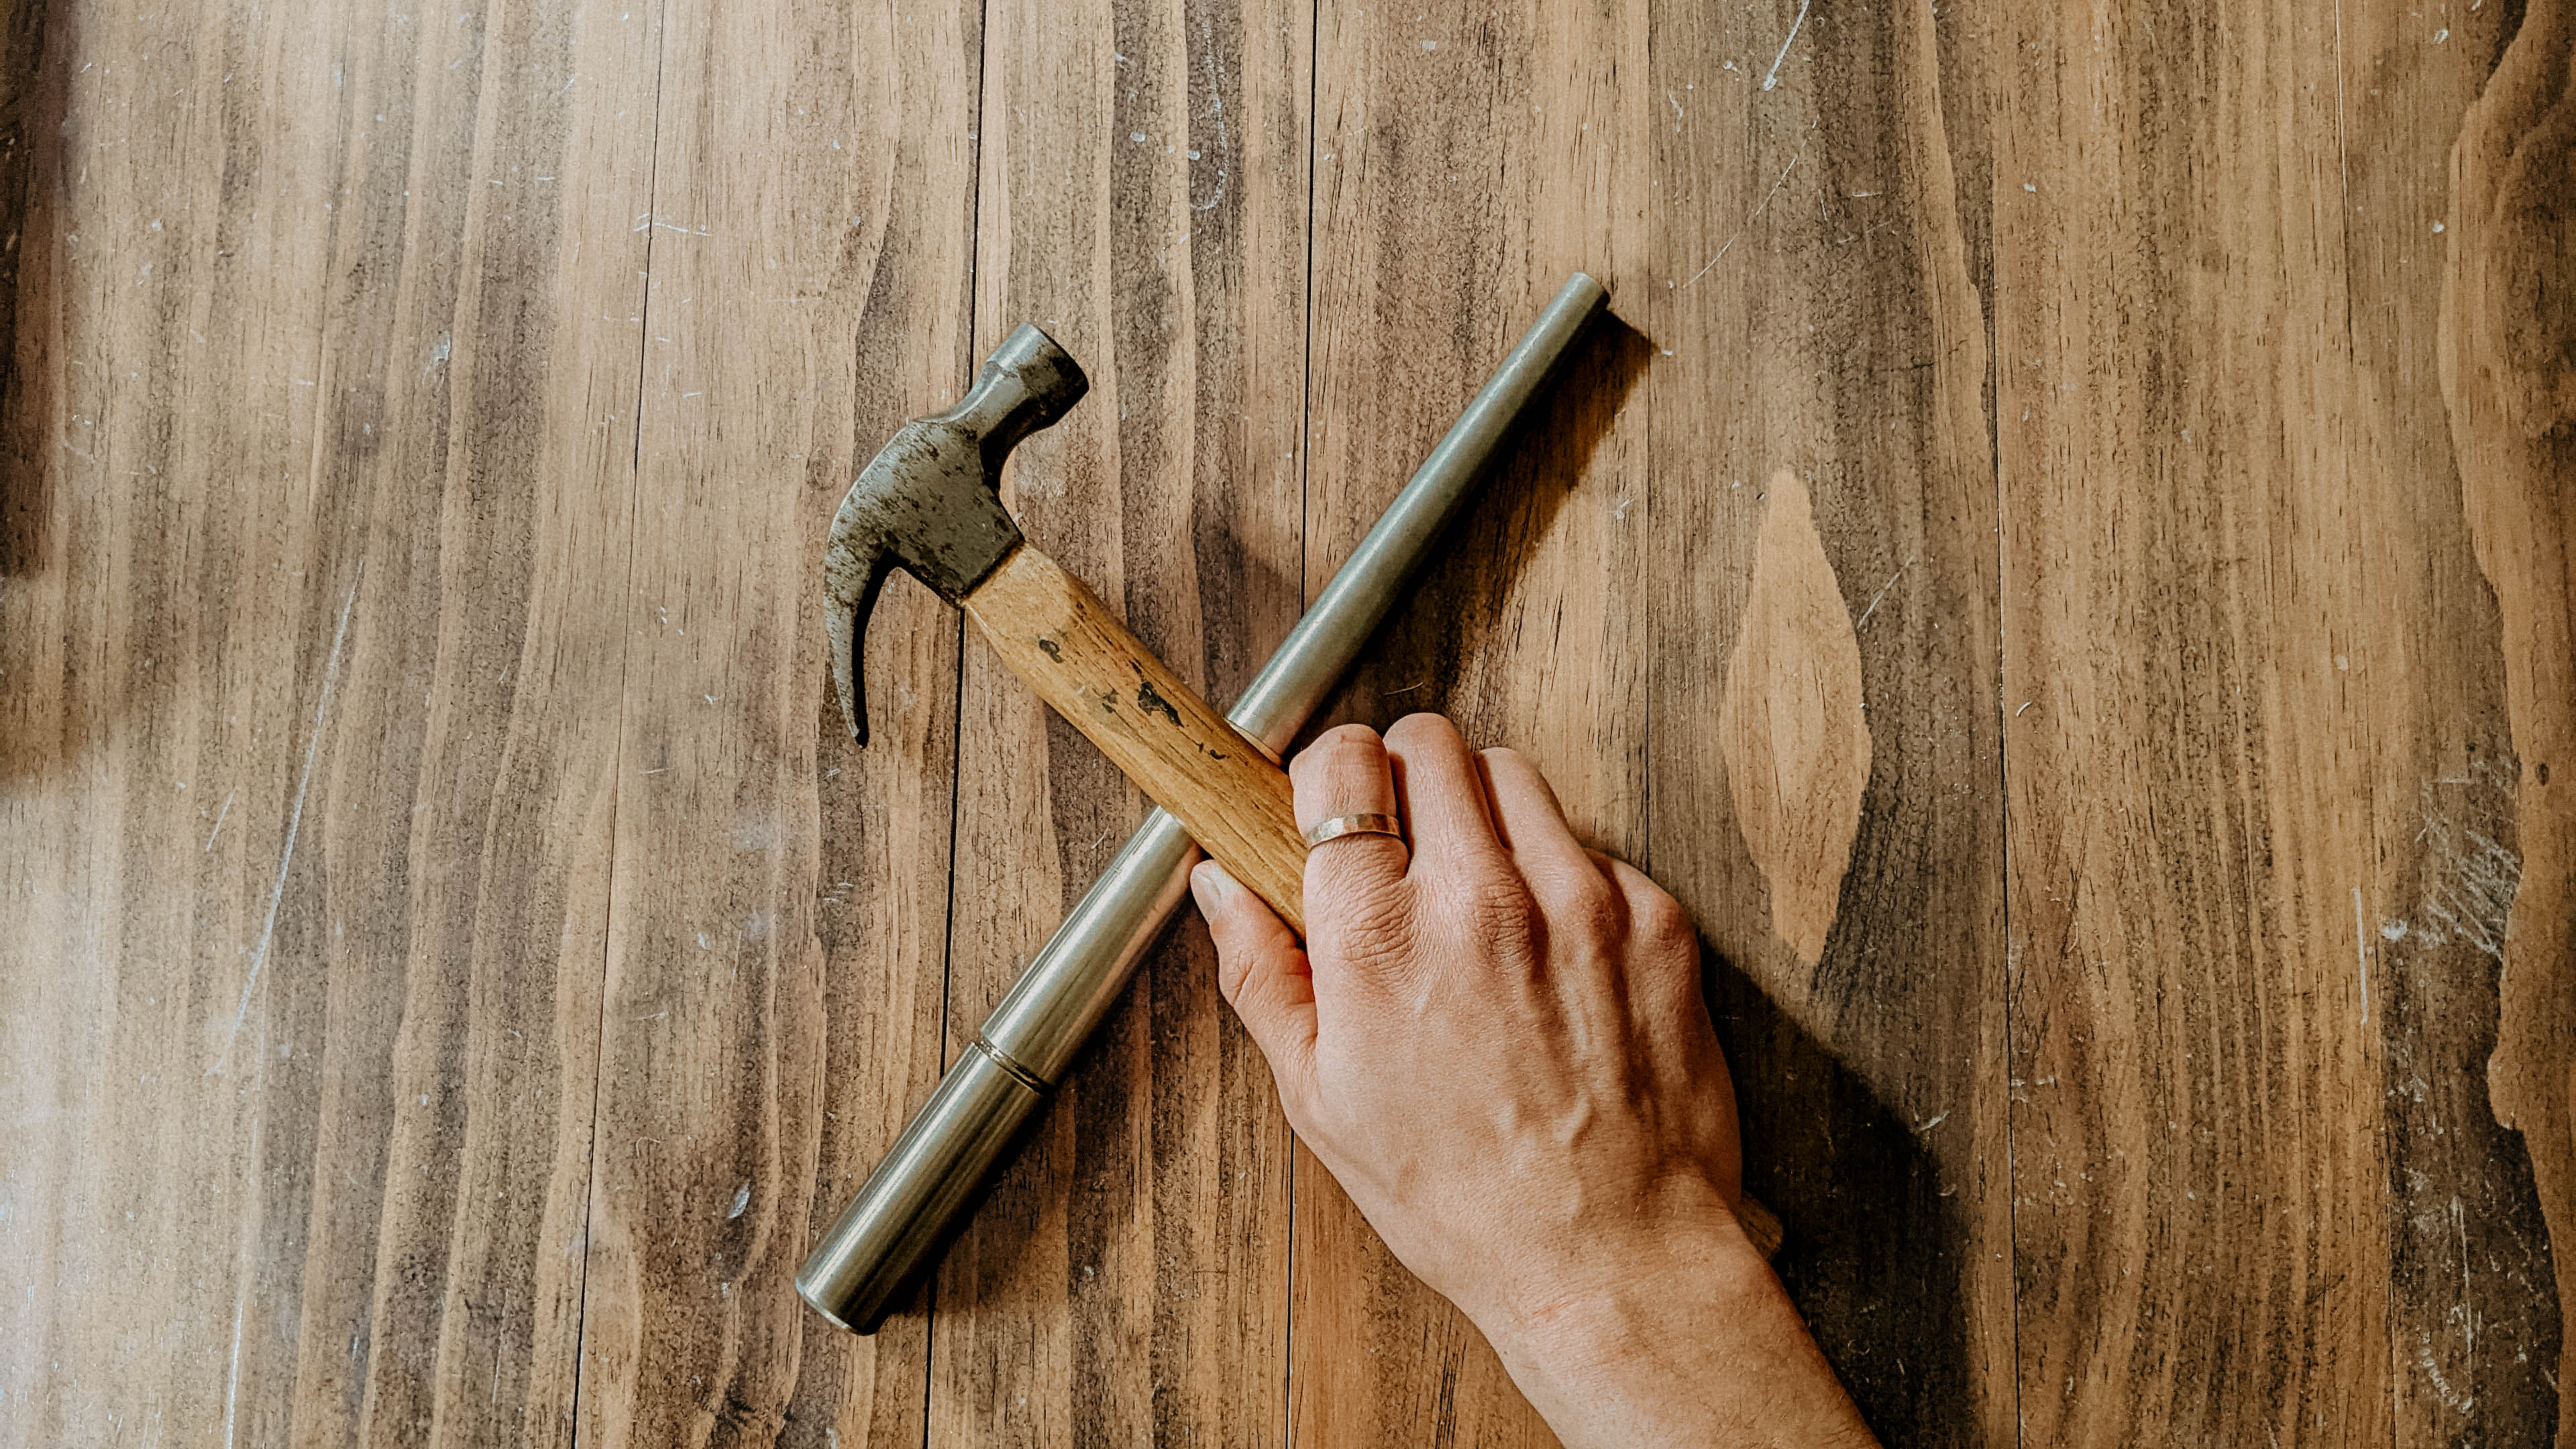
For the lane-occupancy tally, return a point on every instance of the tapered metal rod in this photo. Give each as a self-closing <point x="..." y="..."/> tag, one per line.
<point x="918" y="1195"/>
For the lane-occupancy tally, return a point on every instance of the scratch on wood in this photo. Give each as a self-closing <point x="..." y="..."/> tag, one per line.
<point x="1881" y="597"/>
<point x="1795" y="26"/>
<point x="1757" y="211"/>
<point x="232" y="1377"/>
<point x="2469" y="889"/>
<point x="294" y="821"/>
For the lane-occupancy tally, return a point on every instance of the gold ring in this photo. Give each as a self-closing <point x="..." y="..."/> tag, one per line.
<point x="1360" y="824"/>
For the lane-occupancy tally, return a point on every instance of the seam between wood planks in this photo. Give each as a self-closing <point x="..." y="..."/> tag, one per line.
<point x="617" y="756"/>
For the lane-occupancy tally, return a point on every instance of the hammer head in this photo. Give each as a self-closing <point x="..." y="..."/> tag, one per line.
<point x="930" y="502"/>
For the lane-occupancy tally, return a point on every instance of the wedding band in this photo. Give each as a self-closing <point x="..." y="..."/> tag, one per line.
<point x="1361" y="824"/>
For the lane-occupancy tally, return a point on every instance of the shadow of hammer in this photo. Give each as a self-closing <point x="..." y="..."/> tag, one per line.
<point x="930" y="504"/>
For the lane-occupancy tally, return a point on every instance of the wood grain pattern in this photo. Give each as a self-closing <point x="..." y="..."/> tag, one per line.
<point x="2262" y="817"/>
<point x="307" y="759"/>
<point x="452" y="961"/>
<point x="1170" y="744"/>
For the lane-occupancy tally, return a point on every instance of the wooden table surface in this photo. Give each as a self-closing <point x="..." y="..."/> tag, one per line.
<point x="2062" y="565"/>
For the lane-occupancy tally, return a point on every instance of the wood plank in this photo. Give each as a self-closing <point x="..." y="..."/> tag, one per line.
<point x="1465" y="162"/>
<point x="775" y="935"/>
<point x="2261" y="797"/>
<point x="309" y="716"/>
<point x="1821" y="527"/>
<point x="1144" y="200"/>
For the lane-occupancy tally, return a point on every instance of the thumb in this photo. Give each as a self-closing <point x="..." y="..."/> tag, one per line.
<point x="1263" y="973"/>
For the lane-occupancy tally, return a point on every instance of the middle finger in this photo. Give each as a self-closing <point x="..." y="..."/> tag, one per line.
<point x="1444" y="796"/>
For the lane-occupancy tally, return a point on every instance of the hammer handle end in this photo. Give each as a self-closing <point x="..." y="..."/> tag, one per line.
<point x="1231" y="797"/>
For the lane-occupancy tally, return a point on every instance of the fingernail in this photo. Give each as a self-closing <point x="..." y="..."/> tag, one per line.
<point x="1207" y="886"/>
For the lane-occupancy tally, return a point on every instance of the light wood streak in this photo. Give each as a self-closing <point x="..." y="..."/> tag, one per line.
<point x="1791" y="726"/>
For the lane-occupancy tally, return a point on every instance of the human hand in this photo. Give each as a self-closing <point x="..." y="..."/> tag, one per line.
<point x="1494" y="1039"/>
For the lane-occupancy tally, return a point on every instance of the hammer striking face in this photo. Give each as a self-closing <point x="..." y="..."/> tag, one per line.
<point x="930" y="502"/>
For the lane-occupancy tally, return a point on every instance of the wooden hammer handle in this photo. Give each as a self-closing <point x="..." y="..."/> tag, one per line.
<point x="1227" y="793"/>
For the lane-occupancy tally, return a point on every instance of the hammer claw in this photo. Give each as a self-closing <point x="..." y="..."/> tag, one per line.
<point x="845" y="627"/>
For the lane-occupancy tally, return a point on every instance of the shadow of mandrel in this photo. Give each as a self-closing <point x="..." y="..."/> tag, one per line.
<point x="1419" y="658"/>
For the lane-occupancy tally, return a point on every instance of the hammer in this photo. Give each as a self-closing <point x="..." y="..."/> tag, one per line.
<point x="930" y="504"/>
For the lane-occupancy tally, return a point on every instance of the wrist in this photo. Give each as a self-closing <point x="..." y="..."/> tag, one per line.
<point x="1611" y="1302"/>
<point x="1679" y="1337"/>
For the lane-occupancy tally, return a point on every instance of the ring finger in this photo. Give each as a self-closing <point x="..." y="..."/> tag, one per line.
<point x="1344" y="778"/>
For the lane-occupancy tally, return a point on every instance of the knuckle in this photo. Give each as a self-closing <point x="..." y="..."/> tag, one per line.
<point x="1345" y="734"/>
<point x="1657" y="918"/>
<point x="1337" y="752"/>
<point x="1589" y="908"/>
<point x="1499" y="907"/>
